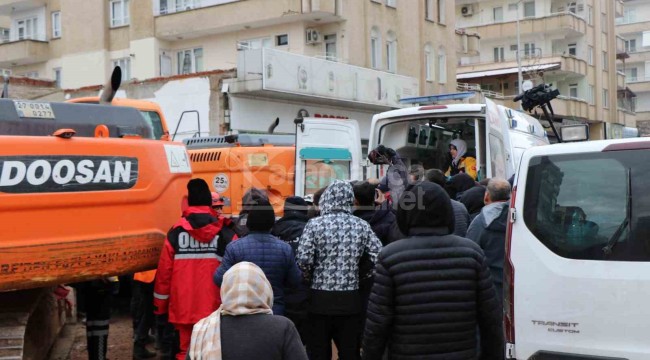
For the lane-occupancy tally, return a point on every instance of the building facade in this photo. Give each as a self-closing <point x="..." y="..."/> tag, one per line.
<point x="403" y="46"/>
<point x="569" y="44"/>
<point x="634" y="28"/>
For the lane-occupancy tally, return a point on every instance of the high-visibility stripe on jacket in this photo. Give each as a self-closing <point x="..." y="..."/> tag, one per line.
<point x="191" y="254"/>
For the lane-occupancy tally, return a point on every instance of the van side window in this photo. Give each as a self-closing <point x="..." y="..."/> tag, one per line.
<point x="577" y="205"/>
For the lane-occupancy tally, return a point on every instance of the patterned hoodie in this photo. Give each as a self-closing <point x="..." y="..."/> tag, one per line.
<point x="331" y="248"/>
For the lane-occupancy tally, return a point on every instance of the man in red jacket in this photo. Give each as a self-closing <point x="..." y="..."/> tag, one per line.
<point x="191" y="254"/>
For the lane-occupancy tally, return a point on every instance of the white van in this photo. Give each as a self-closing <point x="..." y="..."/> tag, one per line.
<point x="577" y="267"/>
<point x="496" y="135"/>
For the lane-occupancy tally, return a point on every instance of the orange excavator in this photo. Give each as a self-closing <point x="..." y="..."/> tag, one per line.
<point x="85" y="193"/>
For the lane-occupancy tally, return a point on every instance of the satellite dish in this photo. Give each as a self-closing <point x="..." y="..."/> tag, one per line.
<point x="527" y="85"/>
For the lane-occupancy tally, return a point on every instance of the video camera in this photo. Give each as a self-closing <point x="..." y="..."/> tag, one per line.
<point x="539" y="95"/>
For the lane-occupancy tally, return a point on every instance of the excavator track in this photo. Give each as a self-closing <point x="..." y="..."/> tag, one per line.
<point x="30" y="321"/>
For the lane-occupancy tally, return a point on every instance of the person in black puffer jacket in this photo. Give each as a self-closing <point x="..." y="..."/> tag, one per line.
<point x="289" y="229"/>
<point x="432" y="290"/>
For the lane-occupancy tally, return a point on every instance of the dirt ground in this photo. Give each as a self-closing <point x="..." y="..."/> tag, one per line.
<point x="71" y="344"/>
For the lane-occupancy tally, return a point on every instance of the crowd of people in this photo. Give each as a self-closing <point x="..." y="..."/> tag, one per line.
<point x="409" y="266"/>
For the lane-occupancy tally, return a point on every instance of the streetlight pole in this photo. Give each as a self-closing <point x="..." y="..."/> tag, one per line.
<point x="520" y="78"/>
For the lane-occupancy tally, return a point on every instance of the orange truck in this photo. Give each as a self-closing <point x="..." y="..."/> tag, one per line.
<point x="85" y="193"/>
<point x="321" y="151"/>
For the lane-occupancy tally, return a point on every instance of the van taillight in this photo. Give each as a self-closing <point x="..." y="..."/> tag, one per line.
<point x="509" y="277"/>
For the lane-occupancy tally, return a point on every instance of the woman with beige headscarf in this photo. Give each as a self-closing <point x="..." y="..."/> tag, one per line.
<point x="244" y="326"/>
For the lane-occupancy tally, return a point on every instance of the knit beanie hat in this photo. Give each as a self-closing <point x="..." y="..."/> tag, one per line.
<point x="295" y="203"/>
<point x="261" y="216"/>
<point x="198" y="193"/>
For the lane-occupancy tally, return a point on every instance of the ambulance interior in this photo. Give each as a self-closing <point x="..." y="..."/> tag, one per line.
<point x="425" y="141"/>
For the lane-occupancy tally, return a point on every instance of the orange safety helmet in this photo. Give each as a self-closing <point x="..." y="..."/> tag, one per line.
<point x="216" y="199"/>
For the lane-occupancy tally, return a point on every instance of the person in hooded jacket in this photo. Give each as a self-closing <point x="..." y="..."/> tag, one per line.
<point x="190" y="255"/>
<point x="473" y="199"/>
<point x="488" y="229"/>
<point x="330" y="250"/>
<point x="461" y="162"/>
<point x="432" y="290"/>
<point x="274" y="256"/>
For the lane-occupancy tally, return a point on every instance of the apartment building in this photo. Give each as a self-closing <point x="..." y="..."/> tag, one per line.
<point x="634" y="28"/>
<point x="344" y="58"/>
<point x="569" y="44"/>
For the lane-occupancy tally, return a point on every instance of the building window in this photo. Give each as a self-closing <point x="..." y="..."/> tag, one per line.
<point x="592" y="96"/>
<point x="590" y="55"/>
<point x="573" y="91"/>
<point x="605" y="61"/>
<point x="4" y="34"/>
<point x="605" y="98"/>
<point x="330" y="47"/>
<point x="27" y="29"/>
<point x="125" y="65"/>
<point x="603" y="22"/>
<point x="253" y="44"/>
<point x="189" y="61"/>
<point x="182" y="5"/>
<point x="529" y="9"/>
<point x="442" y="66"/>
<point x="572" y="7"/>
<point x="282" y="40"/>
<point x="428" y="10"/>
<point x="630" y="45"/>
<point x="441" y="12"/>
<point x="31" y="75"/>
<point x="497" y="14"/>
<point x="391" y="52"/>
<point x="56" y="24"/>
<point x="57" y="77"/>
<point x="499" y="54"/>
<point x="629" y="16"/>
<point x="375" y="48"/>
<point x="590" y="15"/>
<point x="119" y="12"/>
<point x="391" y="3"/>
<point x="429" y="62"/>
<point x="529" y="50"/>
<point x="573" y="49"/>
<point x="513" y="7"/>
<point x="631" y="74"/>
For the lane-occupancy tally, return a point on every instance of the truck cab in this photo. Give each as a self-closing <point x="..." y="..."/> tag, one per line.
<point x="496" y="136"/>
<point x="150" y="111"/>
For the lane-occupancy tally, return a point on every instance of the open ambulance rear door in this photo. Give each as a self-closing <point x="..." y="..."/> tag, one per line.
<point x="326" y="150"/>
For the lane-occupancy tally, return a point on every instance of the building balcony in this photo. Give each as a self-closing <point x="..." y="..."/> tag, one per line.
<point x="638" y="56"/>
<point x="619" y="8"/>
<point x="235" y="15"/>
<point x="7" y="7"/>
<point x="559" y="64"/>
<point x="621" y="51"/>
<point x="639" y="85"/>
<point x="559" y="23"/>
<point x="620" y="80"/>
<point x="626" y="117"/>
<point x="467" y="44"/>
<point x="571" y="107"/>
<point x="23" y="52"/>
<point x="287" y="76"/>
<point x="632" y="27"/>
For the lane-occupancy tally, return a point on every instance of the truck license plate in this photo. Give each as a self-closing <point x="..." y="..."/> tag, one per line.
<point x="28" y="109"/>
